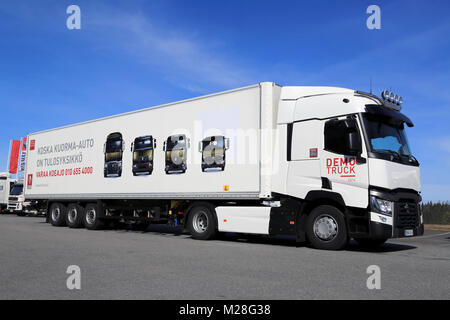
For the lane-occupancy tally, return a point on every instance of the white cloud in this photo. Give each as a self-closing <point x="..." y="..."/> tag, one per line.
<point x="179" y="55"/>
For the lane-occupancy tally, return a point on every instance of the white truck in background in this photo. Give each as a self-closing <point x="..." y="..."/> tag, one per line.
<point x="17" y="203"/>
<point x="324" y="164"/>
<point x="5" y="187"/>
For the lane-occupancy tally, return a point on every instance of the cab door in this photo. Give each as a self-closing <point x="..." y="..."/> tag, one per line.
<point x="344" y="165"/>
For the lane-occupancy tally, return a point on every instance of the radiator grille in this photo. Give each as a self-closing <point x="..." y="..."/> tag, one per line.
<point x="407" y="214"/>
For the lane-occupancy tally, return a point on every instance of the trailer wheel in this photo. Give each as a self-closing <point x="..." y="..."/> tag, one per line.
<point x="202" y="222"/>
<point x="91" y="217"/>
<point x="370" y="243"/>
<point x="74" y="216"/>
<point x="326" y="228"/>
<point x="58" y="214"/>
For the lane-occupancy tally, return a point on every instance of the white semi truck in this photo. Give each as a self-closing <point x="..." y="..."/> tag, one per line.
<point x="5" y="187"/>
<point x="323" y="164"/>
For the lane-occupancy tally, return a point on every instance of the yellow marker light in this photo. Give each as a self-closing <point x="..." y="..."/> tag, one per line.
<point x="226" y="188"/>
<point x="170" y="211"/>
<point x="291" y="222"/>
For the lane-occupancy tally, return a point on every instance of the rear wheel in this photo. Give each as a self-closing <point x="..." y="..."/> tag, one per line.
<point x="91" y="217"/>
<point x="202" y="222"/>
<point x="326" y="228"/>
<point x="370" y="243"/>
<point x="74" y="216"/>
<point x="58" y="214"/>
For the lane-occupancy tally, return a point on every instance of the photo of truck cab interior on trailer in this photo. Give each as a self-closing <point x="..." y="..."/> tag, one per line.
<point x="113" y="150"/>
<point x="176" y="153"/>
<point x="322" y="164"/>
<point x="213" y="153"/>
<point x="142" y="149"/>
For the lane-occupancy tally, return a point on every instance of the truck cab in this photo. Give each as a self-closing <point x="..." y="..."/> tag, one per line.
<point x="348" y="150"/>
<point x="16" y="198"/>
<point x="113" y="150"/>
<point x="143" y="149"/>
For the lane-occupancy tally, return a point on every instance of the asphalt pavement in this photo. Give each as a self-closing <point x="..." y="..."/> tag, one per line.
<point x="164" y="263"/>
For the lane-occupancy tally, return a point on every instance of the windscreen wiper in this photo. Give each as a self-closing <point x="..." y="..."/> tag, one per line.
<point x="393" y="153"/>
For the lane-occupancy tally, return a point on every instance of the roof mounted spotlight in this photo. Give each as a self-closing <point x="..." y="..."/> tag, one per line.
<point x="392" y="100"/>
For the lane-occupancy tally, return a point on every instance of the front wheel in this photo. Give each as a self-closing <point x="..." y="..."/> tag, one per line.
<point x="202" y="222"/>
<point x="326" y="228"/>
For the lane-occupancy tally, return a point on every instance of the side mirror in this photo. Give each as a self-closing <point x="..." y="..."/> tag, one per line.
<point x="164" y="146"/>
<point x="123" y="146"/>
<point x="227" y="143"/>
<point x="104" y="148"/>
<point x="188" y="143"/>
<point x="154" y="143"/>
<point x="132" y="147"/>
<point x="200" y="146"/>
<point x="353" y="143"/>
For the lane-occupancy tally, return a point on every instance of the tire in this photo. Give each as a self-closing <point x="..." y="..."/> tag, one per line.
<point x="74" y="215"/>
<point x="57" y="214"/>
<point x="202" y="222"/>
<point x="91" y="218"/>
<point x="326" y="228"/>
<point x="21" y="214"/>
<point x="370" y="243"/>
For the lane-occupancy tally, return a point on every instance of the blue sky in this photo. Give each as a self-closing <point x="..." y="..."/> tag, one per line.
<point x="134" y="54"/>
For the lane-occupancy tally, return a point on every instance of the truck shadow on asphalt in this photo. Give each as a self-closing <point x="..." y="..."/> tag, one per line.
<point x="285" y="241"/>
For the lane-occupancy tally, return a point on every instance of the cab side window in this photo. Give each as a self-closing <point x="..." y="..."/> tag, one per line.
<point x="335" y="133"/>
<point x="342" y="137"/>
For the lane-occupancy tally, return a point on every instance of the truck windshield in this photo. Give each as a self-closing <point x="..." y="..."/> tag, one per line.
<point x="387" y="137"/>
<point x="176" y="144"/>
<point x="114" y="146"/>
<point x="143" y="144"/>
<point x="145" y="155"/>
<point x="16" y="190"/>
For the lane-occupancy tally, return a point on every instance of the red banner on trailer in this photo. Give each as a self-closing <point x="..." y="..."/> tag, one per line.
<point x="14" y="156"/>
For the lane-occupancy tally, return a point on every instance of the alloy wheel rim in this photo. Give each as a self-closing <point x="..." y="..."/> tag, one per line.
<point x="200" y="222"/>
<point x="325" y="227"/>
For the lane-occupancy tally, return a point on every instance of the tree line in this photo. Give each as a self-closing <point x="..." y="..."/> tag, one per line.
<point x="436" y="212"/>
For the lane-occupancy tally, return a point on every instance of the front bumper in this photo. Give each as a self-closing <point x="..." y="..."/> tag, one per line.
<point x="406" y="220"/>
<point x="379" y="230"/>
<point x="15" y="206"/>
<point x="143" y="168"/>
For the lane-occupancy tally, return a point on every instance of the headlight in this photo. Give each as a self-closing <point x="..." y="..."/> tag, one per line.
<point x="381" y="206"/>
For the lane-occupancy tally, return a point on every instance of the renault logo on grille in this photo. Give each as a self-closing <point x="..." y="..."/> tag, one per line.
<point x="406" y="206"/>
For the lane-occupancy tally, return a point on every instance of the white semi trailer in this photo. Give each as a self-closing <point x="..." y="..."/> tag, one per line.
<point x="324" y="164"/>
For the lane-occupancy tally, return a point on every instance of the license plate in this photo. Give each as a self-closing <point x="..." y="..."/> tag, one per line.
<point x="409" y="233"/>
